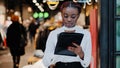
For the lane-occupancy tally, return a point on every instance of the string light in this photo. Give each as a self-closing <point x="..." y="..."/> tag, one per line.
<point x="38" y="5"/>
<point x="46" y="14"/>
<point x="41" y="15"/>
<point x="35" y="15"/>
<point x="34" y="1"/>
<point x="44" y="1"/>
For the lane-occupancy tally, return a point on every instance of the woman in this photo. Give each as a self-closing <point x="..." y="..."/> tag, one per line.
<point x="14" y="32"/>
<point x="70" y="13"/>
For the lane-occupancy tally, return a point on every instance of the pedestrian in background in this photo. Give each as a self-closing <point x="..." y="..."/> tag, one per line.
<point x="33" y="26"/>
<point x="14" y="32"/>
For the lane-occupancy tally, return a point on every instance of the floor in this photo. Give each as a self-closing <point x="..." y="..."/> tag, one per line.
<point x="6" y="59"/>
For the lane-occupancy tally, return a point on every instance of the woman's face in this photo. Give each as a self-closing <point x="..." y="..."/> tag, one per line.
<point x="70" y="16"/>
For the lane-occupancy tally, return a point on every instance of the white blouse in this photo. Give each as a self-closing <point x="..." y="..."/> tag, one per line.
<point x="49" y="56"/>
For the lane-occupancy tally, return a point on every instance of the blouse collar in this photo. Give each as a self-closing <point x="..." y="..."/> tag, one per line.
<point x="72" y="28"/>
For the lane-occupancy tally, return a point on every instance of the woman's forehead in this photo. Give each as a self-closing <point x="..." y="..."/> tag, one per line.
<point x="70" y="10"/>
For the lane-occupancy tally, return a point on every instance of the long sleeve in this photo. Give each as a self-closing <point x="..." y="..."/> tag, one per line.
<point x="51" y="58"/>
<point x="49" y="51"/>
<point x="87" y="49"/>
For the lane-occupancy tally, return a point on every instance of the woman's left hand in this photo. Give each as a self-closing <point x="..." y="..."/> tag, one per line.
<point x="77" y="50"/>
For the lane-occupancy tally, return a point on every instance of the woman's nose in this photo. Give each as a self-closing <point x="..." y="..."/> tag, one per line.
<point x="69" y="19"/>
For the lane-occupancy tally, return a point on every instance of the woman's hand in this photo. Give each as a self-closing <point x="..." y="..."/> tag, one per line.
<point x="77" y="50"/>
<point x="52" y="66"/>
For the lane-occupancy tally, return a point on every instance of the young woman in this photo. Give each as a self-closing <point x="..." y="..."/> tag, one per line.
<point x="70" y="12"/>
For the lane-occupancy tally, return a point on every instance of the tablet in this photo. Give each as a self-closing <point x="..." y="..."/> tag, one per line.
<point x="65" y="40"/>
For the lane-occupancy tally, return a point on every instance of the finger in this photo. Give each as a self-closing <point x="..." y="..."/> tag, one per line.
<point x="76" y="45"/>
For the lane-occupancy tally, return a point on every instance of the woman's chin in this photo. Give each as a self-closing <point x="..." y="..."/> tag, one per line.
<point x="69" y="26"/>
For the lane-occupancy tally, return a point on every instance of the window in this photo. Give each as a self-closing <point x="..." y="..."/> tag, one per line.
<point x="118" y="7"/>
<point x="118" y="35"/>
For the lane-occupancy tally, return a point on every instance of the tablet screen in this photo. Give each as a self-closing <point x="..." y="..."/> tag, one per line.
<point x="65" y="40"/>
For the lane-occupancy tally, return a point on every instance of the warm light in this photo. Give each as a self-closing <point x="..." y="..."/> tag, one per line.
<point x="34" y="1"/>
<point x="41" y="9"/>
<point x="96" y="0"/>
<point x="29" y="9"/>
<point x="84" y="6"/>
<point x="17" y="13"/>
<point x="44" y="1"/>
<point x="51" y="27"/>
<point x="75" y="1"/>
<point x="37" y="4"/>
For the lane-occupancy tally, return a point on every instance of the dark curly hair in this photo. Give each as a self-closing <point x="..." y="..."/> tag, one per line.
<point x="71" y="4"/>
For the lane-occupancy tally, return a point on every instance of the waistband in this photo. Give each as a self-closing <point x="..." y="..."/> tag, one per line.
<point x="68" y="65"/>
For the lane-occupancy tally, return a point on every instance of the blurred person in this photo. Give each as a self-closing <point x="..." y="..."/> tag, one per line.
<point x="3" y="37"/>
<point x="26" y="23"/>
<point x="8" y="22"/>
<point x="1" y="41"/>
<point x="32" y="29"/>
<point x="14" y="32"/>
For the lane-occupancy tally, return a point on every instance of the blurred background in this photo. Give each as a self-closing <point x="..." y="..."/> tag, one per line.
<point x="39" y="17"/>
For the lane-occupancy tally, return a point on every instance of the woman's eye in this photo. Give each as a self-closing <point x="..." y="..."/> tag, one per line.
<point x="73" y="16"/>
<point x="65" y="16"/>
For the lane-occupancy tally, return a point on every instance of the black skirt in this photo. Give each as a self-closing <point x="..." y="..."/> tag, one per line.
<point x="68" y="65"/>
<point x="17" y="51"/>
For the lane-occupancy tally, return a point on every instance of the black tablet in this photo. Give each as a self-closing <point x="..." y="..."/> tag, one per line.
<point x="65" y="40"/>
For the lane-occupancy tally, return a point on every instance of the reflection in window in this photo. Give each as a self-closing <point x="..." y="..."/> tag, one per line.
<point x="118" y="7"/>
<point x="118" y="35"/>
<point x="118" y="62"/>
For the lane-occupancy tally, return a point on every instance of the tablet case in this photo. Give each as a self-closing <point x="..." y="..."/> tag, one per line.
<point x="65" y="40"/>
